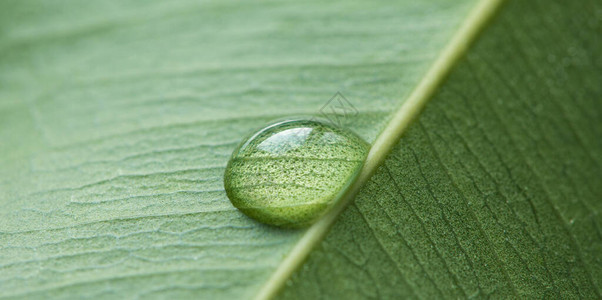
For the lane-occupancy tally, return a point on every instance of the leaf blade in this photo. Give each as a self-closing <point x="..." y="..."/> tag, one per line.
<point x="117" y="122"/>
<point x="493" y="191"/>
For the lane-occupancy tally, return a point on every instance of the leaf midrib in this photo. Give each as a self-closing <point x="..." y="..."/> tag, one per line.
<point x="452" y="52"/>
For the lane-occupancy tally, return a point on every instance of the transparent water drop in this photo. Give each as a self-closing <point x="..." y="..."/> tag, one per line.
<point x="291" y="172"/>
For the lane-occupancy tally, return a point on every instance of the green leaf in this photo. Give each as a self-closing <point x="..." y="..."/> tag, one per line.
<point x="117" y="119"/>
<point x="495" y="190"/>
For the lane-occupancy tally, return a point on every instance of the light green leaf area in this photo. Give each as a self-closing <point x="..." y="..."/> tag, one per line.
<point x="496" y="190"/>
<point x="117" y="119"/>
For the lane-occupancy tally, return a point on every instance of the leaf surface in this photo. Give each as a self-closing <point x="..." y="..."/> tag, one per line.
<point x="117" y="119"/>
<point x="494" y="192"/>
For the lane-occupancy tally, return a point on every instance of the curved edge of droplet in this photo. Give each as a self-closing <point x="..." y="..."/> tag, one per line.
<point x="274" y="123"/>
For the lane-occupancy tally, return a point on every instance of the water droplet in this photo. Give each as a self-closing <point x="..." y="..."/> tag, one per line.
<point x="291" y="172"/>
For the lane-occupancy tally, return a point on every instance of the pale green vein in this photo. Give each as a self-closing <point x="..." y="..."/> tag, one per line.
<point x="458" y="45"/>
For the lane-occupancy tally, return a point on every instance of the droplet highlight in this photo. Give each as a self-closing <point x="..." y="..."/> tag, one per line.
<point x="291" y="172"/>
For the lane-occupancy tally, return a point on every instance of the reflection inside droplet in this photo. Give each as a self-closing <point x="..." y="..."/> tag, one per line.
<point x="285" y="141"/>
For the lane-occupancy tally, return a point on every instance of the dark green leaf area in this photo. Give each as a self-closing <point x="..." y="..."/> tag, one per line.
<point x="495" y="190"/>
